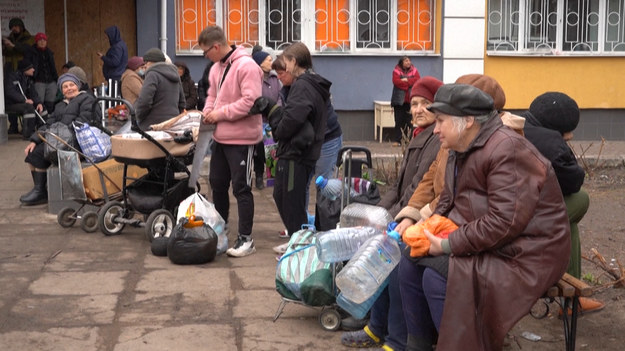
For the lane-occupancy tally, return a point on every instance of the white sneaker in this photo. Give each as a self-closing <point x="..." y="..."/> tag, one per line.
<point x="241" y="248"/>
<point x="281" y="249"/>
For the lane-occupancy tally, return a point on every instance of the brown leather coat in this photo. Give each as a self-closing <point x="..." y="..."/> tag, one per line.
<point x="513" y="240"/>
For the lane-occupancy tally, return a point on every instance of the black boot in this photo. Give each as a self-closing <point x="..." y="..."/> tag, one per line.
<point x="13" y="125"/>
<point x="28" y="194"/>
<point x="39" y="194"/>
<point x="415" y="343"/>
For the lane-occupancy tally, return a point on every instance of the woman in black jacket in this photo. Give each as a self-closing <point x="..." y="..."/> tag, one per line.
<point x="188" y="86"/>
<point x="299" y="128"/>
<point x="76" y="106"/>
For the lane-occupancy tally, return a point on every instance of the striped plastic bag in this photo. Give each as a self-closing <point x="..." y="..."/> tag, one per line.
<point x="301" y="276"/>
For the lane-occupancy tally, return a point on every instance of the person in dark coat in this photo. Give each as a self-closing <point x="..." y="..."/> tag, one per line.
<point x="116" y="57"/>
<point x="188" y="85"/>
<point x="45" y="71"/>
<point x="387" y="323"/>
<point x="76" y="106"/>
<point x="512" y="241"/>
<point x="299" y="128"/>
<point x="16" y="45"/>
<point x="202" y="86"/>
<point x="550" y="122"/>
<point x="20" y="96"/>
<point x="161" y="96"/>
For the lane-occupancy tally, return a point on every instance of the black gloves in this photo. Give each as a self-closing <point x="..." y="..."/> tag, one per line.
<point x="263" y="106"/>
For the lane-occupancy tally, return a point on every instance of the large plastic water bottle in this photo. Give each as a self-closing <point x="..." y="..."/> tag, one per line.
<point x="368" y="268"/>
<point x="357" y="214"/>
<point x="332" y="187"/>
<point x="342" y="243"/>
<point x="359" y="310"/>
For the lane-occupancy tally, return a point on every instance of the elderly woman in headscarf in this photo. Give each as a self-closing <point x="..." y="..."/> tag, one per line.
<point x="75" y="106"/>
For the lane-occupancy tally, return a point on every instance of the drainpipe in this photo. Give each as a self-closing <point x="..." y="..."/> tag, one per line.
<point x="163" y="37"/>
<point x="65" y="30"/>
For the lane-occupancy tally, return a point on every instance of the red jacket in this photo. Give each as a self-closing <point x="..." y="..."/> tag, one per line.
<point x="412" y="74"/>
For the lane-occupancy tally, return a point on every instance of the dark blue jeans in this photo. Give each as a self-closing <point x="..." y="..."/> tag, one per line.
<point x="387" y="315"/>
<point x="423" y="292"/>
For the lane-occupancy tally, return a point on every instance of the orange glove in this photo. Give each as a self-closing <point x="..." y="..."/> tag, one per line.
<point x="416" y="239"/>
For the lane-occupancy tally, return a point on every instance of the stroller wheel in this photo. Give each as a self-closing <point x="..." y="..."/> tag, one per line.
<point x="107" y="216"/>
<point x="89" y="222"/>
<point x="330" y="320"/>
<point x="159" y="224"/>
<point x="66" y="217"/>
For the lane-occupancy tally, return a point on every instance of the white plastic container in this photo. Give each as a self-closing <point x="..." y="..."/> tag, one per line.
<point x="342" y="243"/>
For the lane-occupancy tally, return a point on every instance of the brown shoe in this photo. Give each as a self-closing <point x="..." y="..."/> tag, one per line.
<point x="587" y="305"/>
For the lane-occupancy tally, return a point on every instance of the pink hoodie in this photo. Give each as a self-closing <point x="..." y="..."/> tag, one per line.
<point x="235" y="97"/>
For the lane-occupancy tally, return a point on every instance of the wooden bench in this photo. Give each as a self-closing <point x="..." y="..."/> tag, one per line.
<point x="569" y="289"/>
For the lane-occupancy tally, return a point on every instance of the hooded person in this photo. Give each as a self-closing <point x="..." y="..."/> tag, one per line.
<point x="132" y="79"/>
<point x="161" y="96"/>
<point x="17" y="44"/>
<point x="550" y="121"/>
<point x="116" y="57"/>
<point x="188" y="85"/>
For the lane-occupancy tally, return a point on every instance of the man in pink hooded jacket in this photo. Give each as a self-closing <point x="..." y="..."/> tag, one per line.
<point x="235" y="82"/>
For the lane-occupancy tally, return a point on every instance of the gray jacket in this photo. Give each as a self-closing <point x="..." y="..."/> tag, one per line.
<point x="161" y="96"/>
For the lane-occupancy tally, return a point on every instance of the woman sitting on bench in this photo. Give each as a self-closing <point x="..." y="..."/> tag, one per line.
<point x="513" y="239"/>
<point x="76" y="105"/>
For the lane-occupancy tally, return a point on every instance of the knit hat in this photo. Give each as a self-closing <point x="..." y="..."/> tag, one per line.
<point x="556" y="111"/>
<point x="68" y="77"/>
<point x="135" y="62"/>
<point x="461" y="100"/>
<point x="40" y="36"/>
<point x="488" y="85"/>
<point x="79" y="73"/>
<point x="16" y="22"/>
<point x="426" y="87"/>
<point x="154" y="55"/>
<point x="259" y="57"/>
<point x="24" y="65"/>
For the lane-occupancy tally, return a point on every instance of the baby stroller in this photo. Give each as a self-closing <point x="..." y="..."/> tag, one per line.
<point x="157" y="194"/>
<point x="303" y="279"/>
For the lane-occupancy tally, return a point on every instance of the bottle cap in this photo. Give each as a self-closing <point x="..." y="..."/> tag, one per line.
<point x="321" y="181"/>
<point x="395" y="235"/>
<point x="391" y="226"/>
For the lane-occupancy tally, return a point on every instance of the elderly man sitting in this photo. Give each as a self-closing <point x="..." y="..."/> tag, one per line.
<point x="512" y="241"/>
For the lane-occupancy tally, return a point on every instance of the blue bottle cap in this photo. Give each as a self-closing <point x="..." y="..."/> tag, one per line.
<point x="395" y="235"/>
<point x="321" y="181"/>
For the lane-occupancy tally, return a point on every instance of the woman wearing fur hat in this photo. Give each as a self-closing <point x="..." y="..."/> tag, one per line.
<point x="188" y="85"/>
<point x="132" y="79"/>
<point x="16" y="45"/>
<point x="76" y="106"/>
<point x="45" y="71"/>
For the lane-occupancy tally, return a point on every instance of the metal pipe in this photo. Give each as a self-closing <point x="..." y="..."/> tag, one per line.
<point x="163" y="38"/>
<point x="65" y="30"/>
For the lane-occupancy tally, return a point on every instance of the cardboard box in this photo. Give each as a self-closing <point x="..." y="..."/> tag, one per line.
<point x="133" y="146"/>
<point x="115" y="171"/>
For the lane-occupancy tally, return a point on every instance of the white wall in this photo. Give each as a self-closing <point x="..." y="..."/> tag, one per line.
<point x="463" y="38"/>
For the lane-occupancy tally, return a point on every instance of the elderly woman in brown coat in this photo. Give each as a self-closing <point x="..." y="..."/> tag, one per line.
<point x="513" y="239"/>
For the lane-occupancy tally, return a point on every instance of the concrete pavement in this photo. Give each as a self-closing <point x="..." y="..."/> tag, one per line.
<point x="64" y="289"/>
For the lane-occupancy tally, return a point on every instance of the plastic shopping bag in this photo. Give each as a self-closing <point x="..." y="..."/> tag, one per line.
<point x="198" y="207"/>
<point x="94" y="143"/>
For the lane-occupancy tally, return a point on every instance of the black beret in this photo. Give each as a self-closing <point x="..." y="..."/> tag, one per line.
<point x="461" y="100"/>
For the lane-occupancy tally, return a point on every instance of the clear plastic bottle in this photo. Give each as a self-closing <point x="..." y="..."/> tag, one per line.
<point x="368" y="268"/>
<point x="357" y="214"/>
<point x="331" y="188"/>
<point x="342" y="243"/>
<point x="359" y="310"/>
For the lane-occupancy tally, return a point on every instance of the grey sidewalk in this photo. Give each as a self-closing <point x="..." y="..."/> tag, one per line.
<point x="63" y="289"/>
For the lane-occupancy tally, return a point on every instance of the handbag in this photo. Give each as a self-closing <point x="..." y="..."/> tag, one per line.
<point x="63" y="137"/>
<point x="398" y="97"/>
<point x="94" y="143"/>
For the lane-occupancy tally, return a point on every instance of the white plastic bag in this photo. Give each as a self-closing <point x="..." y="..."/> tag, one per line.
<point x="196" y="205"/>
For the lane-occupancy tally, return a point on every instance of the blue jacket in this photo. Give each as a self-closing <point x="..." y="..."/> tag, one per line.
<point x="116" y="57"/>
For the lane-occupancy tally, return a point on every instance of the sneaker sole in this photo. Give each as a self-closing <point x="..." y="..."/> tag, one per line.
<point x="243" y="254"/>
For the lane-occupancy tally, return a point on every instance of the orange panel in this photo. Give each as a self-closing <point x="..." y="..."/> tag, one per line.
<point x="414" y="14"/>
<point x="332" y="30"/>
